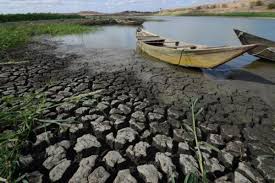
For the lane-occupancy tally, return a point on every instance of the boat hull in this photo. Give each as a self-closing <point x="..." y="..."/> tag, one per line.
<point x="208" y="58"/>
<point x="265" y="48"/>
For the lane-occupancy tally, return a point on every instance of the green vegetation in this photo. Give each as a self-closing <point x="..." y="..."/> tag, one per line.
<point x="230" y="14"/>
<point x="202" y="177"/>
<point x="19" y="116"/>
<point x="36" y="16"/>
<point x="14" y="35"/>
<point x="271" y="6"/>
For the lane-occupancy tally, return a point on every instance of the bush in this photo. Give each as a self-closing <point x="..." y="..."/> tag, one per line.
<point x="36" y="16"/>
<point x="271" y="6"/>
<point x="198" y="7"/>
<point x="259" y="3"/>
<point x="256" y="3"/>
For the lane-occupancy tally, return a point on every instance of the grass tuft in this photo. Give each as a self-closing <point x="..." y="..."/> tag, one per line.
<point x="19" y="116"/>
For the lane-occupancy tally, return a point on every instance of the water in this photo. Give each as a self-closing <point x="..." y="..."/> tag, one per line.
<point x="212" y="31"/>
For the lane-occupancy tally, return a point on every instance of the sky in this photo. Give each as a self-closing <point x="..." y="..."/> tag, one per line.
<point x="69" y="6"/>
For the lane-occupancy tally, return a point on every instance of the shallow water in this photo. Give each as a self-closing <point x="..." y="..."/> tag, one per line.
<point x="212" y="31"/>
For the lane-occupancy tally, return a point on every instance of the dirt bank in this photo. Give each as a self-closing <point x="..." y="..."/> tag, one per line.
<point x="123" y="132"/>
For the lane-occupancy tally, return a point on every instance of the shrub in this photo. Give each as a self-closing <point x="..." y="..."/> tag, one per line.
<point x="36" y="16"/>
<point x="259" y="3"/>
<point x="271" y="6"/>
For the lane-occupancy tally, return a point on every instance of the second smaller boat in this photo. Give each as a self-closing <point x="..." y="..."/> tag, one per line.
<point x="265" y="48"/>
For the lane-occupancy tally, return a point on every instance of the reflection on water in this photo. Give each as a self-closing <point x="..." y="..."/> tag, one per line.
<point x="211" y="31"/>
<point x="106" y="37"/>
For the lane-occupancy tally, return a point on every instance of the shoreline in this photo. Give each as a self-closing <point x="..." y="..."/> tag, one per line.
<point x="229" y="14"/>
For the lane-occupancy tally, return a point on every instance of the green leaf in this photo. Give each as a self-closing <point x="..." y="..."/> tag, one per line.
<point x="191" y="178"/>
<point x="210" y="146"/>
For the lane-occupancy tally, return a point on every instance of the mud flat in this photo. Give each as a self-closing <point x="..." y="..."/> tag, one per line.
<point x="132" y="129"/>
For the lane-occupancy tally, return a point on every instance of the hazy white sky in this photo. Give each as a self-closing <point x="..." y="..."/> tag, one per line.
<point x="25" y="6"/>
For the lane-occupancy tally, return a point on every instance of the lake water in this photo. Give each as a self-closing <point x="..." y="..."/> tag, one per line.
<point x="212" y="31"/>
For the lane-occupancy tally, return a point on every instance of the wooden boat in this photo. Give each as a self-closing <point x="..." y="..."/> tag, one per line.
<point x="184" y="54"/>
<point x="265" y="48"/>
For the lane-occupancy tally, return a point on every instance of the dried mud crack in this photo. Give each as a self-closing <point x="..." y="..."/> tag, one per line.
<point x="127" y="132"/>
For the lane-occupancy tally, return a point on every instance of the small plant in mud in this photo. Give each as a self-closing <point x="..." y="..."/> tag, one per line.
<point x="193" y="177"/>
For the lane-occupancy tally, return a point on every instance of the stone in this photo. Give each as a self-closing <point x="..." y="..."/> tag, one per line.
<point x="139" y="116"/>
<point x="246" y="169"/>
<point x="149" y="173"/>
<point x="85" y="167"/>
<point x="162" y="128"/>
<point x="226" y="158"/>
<point x="99" y="175"/>
<point x="86" y="142"/>
<point x="120" y="124"/>
<point x="115" y="111"/>
<point x="113" y="158"/>
<point x="123" y="98"/>
<point x="26" y="161"/>
<point x="88" y="118"/>
<point x="35" y="177"/>
<point x="82" y="111"/>
<point x="101" y="129"/>
<point x="136" y="125"/>
<point x="89" y="103"/>
<point x="125" y="109"/>
<point x="188" y="164"/>
<point x="174" y="113"/>
<point x="229" y="132"/>
<point x="124" y="135"/>
<point x="215" y="139"/>
<point x="180" y="135"/>
<point x="115" y="103"/>
<point x="238" y="177"/>
<point x="155" y="116"/>
<point x="138" y="151"/>
<point x="124" y="176"/>
<point x="209" y="128"/>
<point x="166" y="165"/>
<point x="183" y="147"/>
<point x="163" y="143"/>
<point x="115" y="117"/>
<point x="55" y="89"/>
<point x="43" y="137"/>
<point x="55" y="154"/>
<point x="65" y="107"/>
<point x="145" y="135"/>
<point x="174" y="123"/>
<point x="57" y="173"/>
<point x="236" y="148"/>
<point x="213" y="165"/>
<point x="75" y="128"/>
<point x="65" y="144"/>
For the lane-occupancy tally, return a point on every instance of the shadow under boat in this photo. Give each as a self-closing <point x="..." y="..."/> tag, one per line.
<point x="227" y="72"/>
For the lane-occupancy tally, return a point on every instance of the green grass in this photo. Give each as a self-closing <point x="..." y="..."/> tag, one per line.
<point x="231" y="14"/>
<point x="19" y="116"/>
<point x="12" y="36"/>
<point x="36" y="16"/>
